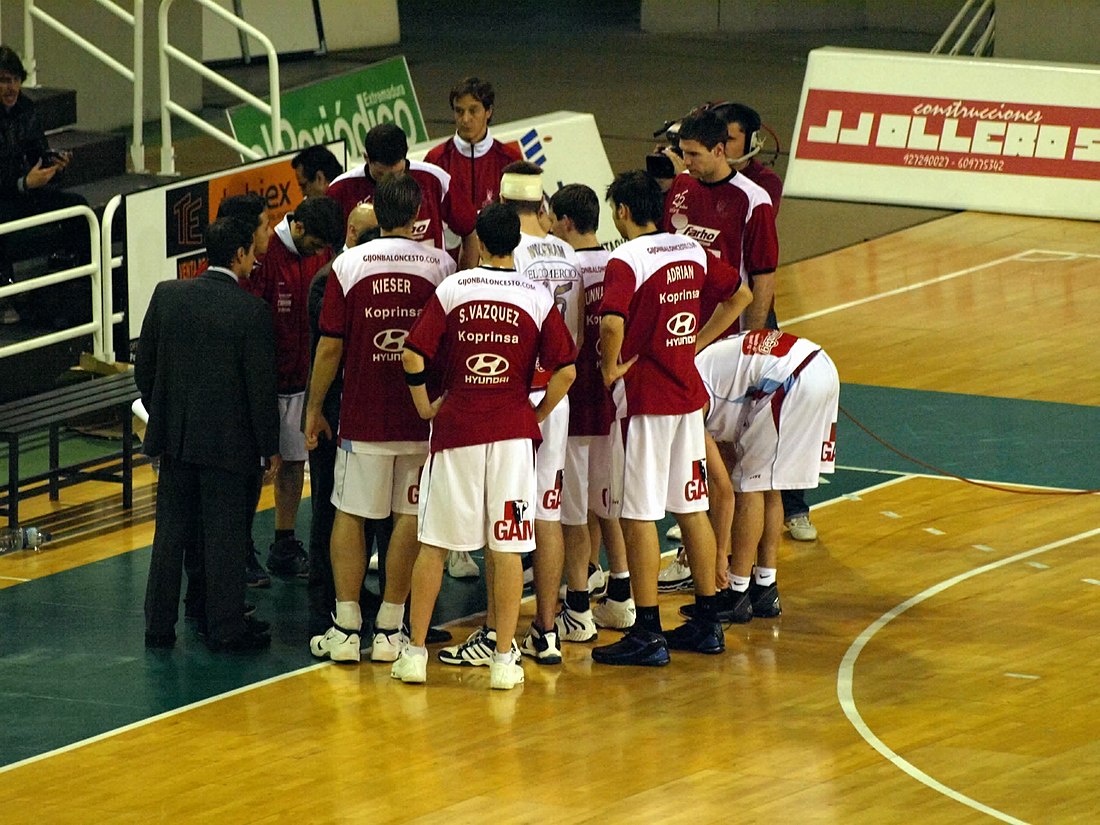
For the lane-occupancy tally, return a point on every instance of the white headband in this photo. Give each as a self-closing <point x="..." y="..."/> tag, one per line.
<point x="517" y="187"/>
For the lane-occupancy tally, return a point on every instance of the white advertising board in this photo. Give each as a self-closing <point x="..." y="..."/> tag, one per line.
<point x="165" y="225"/>
<point x="948" y="132"/>
<point x="568" y="147"/>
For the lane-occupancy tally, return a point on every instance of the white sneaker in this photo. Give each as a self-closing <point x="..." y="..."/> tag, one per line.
<point x="506" y="675"/>
<point x="616" y="615"/>
<point x="476" y="651"/>
<point x="802" y="529"/>
<point x="677" y="576"/>
<point x="461" y="565"/>
<point x="337" y="644"/>
<point x="542" y="646"/>
<point x="573" y="626"/>
<point x="673" y="533"/>
<point x="410" y="668"/>
<point x="388" y="644"/>
<point x="372" y="565"/>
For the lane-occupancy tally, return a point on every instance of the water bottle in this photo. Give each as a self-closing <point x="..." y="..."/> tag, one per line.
<point x="13" y="539"/>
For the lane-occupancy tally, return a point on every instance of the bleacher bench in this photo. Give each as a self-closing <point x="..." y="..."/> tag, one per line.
<point x="53" y="409"/>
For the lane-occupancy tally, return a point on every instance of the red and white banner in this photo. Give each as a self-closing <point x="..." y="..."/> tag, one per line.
<point x="954" y="133"/>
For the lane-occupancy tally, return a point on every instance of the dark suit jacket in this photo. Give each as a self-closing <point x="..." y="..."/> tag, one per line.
<point x="205" y="367"/>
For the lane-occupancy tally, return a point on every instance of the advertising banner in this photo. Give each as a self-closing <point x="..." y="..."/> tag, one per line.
<point x="165" y="225"/>
<point x="955" y="133"/>
<point x="344" y="107"/>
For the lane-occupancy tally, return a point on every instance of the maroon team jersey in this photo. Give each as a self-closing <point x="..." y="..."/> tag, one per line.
<point x="656" y="283"/>
<point x="282" y="279"/>
<point x="486" y="327"/>
<point x="375" y="293"/>
<point x="765" y="178"/>
<point x="475" y="168"/>
<point x="591" y="410"/>
<point x="437" y="206"/>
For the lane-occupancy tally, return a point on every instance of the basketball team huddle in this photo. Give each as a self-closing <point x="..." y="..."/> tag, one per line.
<point x="555" y="398"/>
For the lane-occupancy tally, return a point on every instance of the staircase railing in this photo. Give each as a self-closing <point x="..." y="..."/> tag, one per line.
<point x="32" y="11"/>
<point x="92" y="270"/>
<point x="977" y="16"/>
<point x="168" y="107"/>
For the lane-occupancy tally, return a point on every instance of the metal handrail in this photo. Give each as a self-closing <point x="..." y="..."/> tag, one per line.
<point x="135" y="75"/>
<point x="975" y="18"/>
<point x="169" y="108"/>
<point x="109" y="263"/>
<point x="90" y="269"/>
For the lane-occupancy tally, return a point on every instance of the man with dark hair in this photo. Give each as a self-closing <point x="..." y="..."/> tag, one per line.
<point x="731" y="216"/>
<point x="385" y="147"/>
<point x="591" y="452"/>
<point x="487" y="326"/>
<point x="372" y="298"/>
<point x="316" y="168"/>
<point x="250" y="206"/>
<point x="302" y="243"/>
<point x="27" y="175"/>
<point x="205" y="367"/>
<point x="649" y="333"/>
<point x="474" y="159"/>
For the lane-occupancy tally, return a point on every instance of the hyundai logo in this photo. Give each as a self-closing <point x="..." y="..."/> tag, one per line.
<point x="681" y="324"/>
<point x="391" y="340"/>
<point x="487" y="363"/>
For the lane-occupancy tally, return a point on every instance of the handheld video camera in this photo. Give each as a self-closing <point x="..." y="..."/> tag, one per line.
<point x="658" y="165"/>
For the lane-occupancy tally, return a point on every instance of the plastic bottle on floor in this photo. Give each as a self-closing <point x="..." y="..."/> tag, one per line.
<point x="13" y="539"/>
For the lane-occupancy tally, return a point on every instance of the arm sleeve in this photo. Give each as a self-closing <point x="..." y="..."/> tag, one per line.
<point x="261" y="388"/>
<point x="556" y="346"/>
<point x="145" y="359"/>
<point x="428" y="331"/>
<point x="721" y="282"/>
<point x="760" y="245"/>
<point x="458" y="214"/>
<point x="333" y="313"/>
<point x="618" y="288"/>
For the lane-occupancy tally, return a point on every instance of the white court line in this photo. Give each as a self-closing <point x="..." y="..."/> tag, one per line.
<point x="845" y="679"/>
<point x="13" y="579"/>
<point x="903" y="289"/>
<point x="166" y="715"/>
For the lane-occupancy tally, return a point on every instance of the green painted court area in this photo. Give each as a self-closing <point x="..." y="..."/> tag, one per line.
<point x="73" y="663"/>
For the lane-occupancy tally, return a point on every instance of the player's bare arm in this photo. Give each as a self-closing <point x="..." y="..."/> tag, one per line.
<point x="556" y="388"/>
<point x="763" y="290"/>
<point x="725" y="314"/>
<point x="415" y="377"/>
<point x="325" y="365"/>
<point x="471" y="252"/>
<point x="611" y="346"/>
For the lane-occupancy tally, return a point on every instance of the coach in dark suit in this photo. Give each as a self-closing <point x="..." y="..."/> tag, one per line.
<point x="205" y="367"/>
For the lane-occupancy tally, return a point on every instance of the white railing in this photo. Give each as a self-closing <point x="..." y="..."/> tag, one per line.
<point x="108" y="264"/>
<point x="984" y="13"/>
<point x="168" y="107"/>
<point x="134" y="74"/>
<point x="92" y="270"/>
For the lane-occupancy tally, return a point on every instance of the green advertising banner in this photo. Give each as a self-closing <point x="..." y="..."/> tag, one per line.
<point x="344" y="107"/>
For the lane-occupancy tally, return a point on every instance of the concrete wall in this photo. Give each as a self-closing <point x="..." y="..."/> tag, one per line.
<point x="796" y="15"/>
<point x="1063" y="31"/>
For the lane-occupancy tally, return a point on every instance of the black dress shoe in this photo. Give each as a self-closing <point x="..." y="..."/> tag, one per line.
<point x="437" y="635"/>
<point x="160" y="641"/>
<point x="245" y="642"/>
<point x="250" y="623"/>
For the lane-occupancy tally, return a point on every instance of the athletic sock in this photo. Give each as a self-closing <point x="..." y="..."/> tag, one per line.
<point x="649" y="618"/>
<point x="577" y="600"/>
<point x="502" y="658"/>
<point x="389" y="616"/>
<point x="618" y="587"/>
<point x="349" y="616"/>
<point x="284" y="534"/>
<point x="765" y="576"/>
<point x="416" y="651"/>
<point x="706" y="608"/>
<point x="739" y="584"/>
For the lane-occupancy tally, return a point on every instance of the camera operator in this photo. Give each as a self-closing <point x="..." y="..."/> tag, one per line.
<point x="27" y="167"/>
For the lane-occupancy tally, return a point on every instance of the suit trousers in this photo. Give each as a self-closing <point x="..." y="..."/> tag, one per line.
<point x="207" y="507"/>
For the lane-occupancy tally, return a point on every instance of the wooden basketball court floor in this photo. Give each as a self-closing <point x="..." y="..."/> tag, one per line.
<point x="936" y="659"/>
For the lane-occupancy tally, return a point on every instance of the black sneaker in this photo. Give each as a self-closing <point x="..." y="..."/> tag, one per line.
<point x="254" y="573"/>
<point x="287" y="557"/>
<point x="437" y="636"/>
<point x="697" y="636"/>
<point x="765" y="600"/>
<point x="733" y="607"/>
<point x="251" y="625"/>
<point x="638" y="647"/>
<point x="160" y="641"/>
